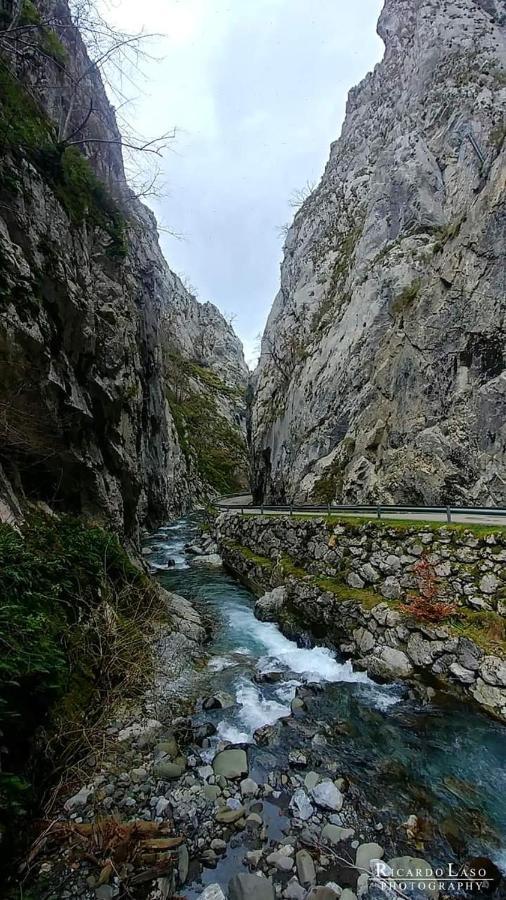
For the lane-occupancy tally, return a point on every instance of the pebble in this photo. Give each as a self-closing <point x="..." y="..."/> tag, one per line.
<point x="249" y="788"/>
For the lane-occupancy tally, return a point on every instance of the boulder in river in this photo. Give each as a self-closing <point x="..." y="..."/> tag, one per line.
<point x="212" y="559"/>
<point x="231" y="763"/>
<point x="270" y="604"/>
<point x="327" y="796"/>
<point x="250" y="887"/>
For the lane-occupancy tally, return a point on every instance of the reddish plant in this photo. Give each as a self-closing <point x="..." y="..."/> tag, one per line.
<point x="427" y="605"/>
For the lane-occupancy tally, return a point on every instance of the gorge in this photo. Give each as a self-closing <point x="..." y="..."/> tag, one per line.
<point x="197" y="702"/>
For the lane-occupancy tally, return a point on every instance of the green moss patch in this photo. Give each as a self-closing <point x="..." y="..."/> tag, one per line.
<point x="26" y="132"/>
<point x="209" y="441"/>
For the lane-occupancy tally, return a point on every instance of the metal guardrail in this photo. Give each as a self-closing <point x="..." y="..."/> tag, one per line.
<point x="376" y="510"/>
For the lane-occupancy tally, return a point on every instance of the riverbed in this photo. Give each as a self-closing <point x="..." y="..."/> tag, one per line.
<point x="439" y="760"/>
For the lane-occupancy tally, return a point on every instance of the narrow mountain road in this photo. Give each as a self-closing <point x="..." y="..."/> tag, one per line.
<point x="469" y="516"/>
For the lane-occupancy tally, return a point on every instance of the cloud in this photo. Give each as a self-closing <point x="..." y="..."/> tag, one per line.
<point x="257" y="90"/>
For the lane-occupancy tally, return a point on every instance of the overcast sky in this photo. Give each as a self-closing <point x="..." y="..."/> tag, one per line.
<point x="257" y="91"/>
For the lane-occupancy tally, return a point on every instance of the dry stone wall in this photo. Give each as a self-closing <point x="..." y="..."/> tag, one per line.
<point x="350" y="584"/>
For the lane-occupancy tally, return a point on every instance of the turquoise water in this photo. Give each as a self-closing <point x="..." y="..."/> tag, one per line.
<point x="442" y="762"/>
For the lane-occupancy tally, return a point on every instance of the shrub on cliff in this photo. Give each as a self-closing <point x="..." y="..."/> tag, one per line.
<point x="427" y="605"/>
<point x="74" y="612"/>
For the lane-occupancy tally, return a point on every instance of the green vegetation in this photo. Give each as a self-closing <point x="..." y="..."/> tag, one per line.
<point x="74" y="626"/>
<point x="209" y="441"/>
<point x="406" y="298"/>
<point x="368" y="599"/>
<point x="47" y="39"/>
<point x="329" y="486"/>
<point x="447" y="233"/>
<point x="486" y="628"/>
<point x="25" y="131"/>
<point x="208" y="438"/>
<point x="356" y="521"/>
<point x="263" y="561"/>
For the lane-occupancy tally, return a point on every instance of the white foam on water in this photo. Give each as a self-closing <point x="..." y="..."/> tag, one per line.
<point x="256" y="710"/>
<point x="316" y="664"/>
<point x="286" y="691"/>
<point x="228" y="732"/>
<point x="219" y="663"/>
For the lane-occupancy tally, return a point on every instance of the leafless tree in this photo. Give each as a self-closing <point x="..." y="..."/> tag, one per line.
<point x="114" y="56"/>
<point x="300" y="195"/>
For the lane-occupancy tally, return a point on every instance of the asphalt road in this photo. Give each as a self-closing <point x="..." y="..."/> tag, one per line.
<point x="418" y="516"/>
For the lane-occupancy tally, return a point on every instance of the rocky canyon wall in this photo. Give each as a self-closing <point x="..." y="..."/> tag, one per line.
<point x="382" y="373"/>
<point x="91" y="315"/>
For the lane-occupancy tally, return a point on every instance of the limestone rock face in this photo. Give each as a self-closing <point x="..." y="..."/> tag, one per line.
<point x="88" y="303"/>
<point x="382" y="372"/>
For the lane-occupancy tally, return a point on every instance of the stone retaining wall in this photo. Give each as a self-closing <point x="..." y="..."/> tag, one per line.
<point x="347" y="583"/>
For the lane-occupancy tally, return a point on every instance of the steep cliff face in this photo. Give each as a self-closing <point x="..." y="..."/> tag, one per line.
<point x="206" y="378"/>
<point x="86" y="301"/>
<point x="382" y="372"/>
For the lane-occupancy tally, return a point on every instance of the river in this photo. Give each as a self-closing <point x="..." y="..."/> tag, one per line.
<point x="441" y="761"/>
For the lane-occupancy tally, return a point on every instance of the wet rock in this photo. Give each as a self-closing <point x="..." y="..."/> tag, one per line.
<point x="201" y="732"/>
<point x="211" y="559"/>
<point x="218" y="845"/>
<point x="300" y="805"/>
<point x="231" y="763"/>
<point x="270" y="604"/>
<point x="253" y="857"/>
<point x="268" y="677"/>
<point x="220" y="700"/>
<point x="250" y="887"/>
<point x="348" y="894"/>
<point x="266" y="734"/>
<point x="305" y="867"/>
<point x="327" y="796"/>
